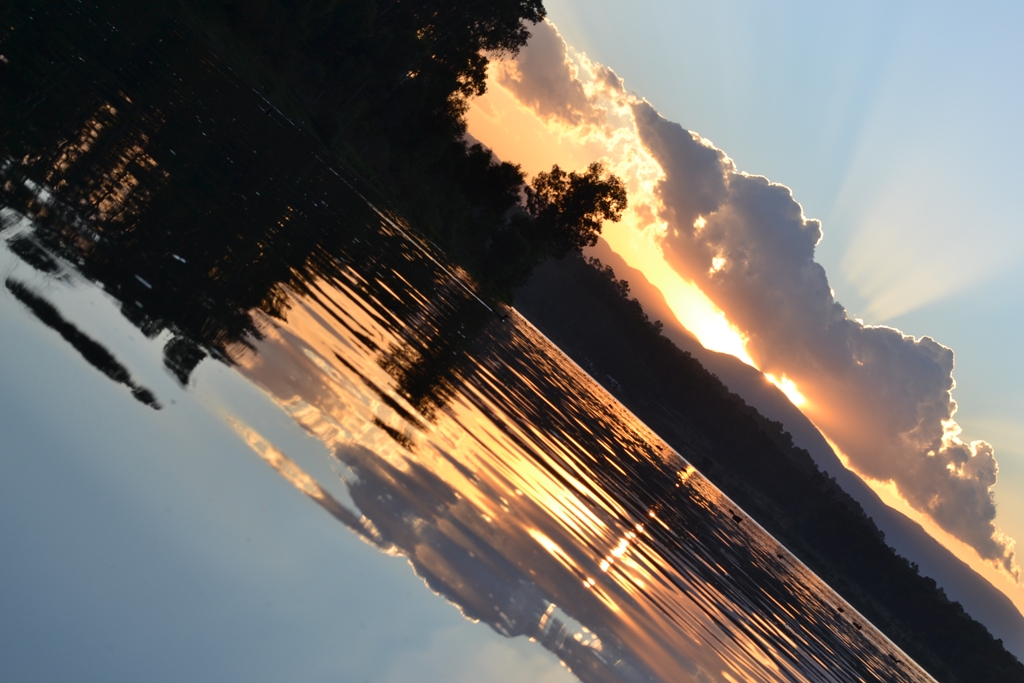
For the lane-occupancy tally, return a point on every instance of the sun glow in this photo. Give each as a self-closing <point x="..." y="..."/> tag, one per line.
<point x="518" y="134"/>
<point x="514" y="132"/>
<point x="691" y="307"/>
<point x="788" y="387"/>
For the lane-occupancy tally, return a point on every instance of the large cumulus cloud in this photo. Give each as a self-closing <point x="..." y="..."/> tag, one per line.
<point x="883" y="396"/>
<point x="543" y="78"/>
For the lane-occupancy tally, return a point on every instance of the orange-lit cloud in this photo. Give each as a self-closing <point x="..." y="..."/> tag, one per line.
<point x="552" y="125"/>
<point x="788" y="387"/>
<point x="734" y="256"/>
<point x="885" y="397"/>
<point x="546" y="81"/>
<point x="890" y="495"/>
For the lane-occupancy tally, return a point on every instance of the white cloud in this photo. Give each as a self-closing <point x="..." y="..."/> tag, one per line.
<point x="884" y="397"/>
<point x="543" y="78"/>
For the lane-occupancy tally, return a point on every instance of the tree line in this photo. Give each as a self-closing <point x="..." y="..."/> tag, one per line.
<point x="583" y="307"/>
<point x="386" y="86"/>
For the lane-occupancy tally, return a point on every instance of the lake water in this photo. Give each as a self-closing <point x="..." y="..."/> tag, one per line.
<point x="254" y="427"/>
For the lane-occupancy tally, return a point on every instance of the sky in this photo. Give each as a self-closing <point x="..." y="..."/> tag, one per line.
<point x="890" y="272"/>
<point x="894" y="127"/>
<point x="163" y="545"/>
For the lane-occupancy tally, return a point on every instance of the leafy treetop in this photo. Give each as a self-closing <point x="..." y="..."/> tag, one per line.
<point x="570" y="207"/>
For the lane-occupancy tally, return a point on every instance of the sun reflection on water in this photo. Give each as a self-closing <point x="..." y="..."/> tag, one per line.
<point x="511" y="484"/>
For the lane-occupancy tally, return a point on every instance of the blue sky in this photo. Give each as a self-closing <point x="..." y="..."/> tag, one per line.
<point x="897" y="126"/>
<point x="157" y="546"/>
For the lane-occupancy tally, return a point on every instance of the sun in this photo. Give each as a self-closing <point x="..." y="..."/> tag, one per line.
<point x="788" y="387"/>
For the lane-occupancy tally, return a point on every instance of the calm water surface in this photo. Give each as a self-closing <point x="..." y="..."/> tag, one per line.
<point x="144" y="183"/>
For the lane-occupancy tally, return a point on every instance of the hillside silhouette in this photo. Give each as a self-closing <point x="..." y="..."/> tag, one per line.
<point x="961" y="583"/>
<point x="584" y="308"/>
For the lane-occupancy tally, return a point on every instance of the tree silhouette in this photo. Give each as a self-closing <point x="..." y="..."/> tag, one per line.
<point x="563" y="214"/>
<point x="568" y="208"/>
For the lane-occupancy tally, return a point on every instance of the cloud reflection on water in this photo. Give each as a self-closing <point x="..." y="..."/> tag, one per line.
<point x="525" y="491"/>
<point x="515" y="486"/>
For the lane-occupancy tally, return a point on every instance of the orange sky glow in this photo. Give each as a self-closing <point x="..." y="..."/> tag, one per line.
<point x="515" y="133"/>
<point x="890" y="495"/>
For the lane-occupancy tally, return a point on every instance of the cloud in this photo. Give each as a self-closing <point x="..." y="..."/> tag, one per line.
<point x="883" y="396"/>
<point x="543" y="78"/>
